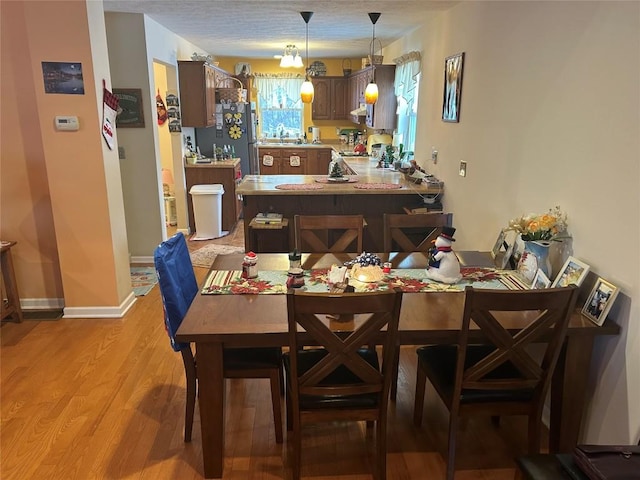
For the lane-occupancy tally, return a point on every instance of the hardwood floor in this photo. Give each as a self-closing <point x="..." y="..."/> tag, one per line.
<point x="104" y="399"/>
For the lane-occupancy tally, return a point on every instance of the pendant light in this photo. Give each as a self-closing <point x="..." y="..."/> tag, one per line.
<point x="371" y="92"/>
<point x="306" y="91"/>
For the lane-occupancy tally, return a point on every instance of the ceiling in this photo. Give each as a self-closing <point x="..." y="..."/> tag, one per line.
<point x="262" y="28"/>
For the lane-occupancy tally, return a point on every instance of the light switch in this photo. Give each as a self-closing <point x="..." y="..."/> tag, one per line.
<point x="463" y="168"/>
<point x="434" y="155"/>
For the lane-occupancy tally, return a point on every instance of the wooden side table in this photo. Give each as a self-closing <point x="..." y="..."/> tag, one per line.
<point x="10" y="307"/>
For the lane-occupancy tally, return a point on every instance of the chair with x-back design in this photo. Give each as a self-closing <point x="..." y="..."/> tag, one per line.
<point x="329" y="233"/>
<point x="337" y="379"/>
<point x="413" y="233"/>
<point x="500" y="376"/>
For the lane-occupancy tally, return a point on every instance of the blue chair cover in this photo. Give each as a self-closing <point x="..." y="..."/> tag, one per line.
<point x="177" y="281"/>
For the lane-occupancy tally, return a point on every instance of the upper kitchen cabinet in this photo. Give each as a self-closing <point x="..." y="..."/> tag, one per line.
<point x="331" y="98"/>
<point x="381" y="115"/>
<point x="198" y="83"/>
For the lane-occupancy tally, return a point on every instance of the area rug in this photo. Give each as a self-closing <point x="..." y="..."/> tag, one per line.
<point x="142" y="280"/>
<point x="204" y="257"/>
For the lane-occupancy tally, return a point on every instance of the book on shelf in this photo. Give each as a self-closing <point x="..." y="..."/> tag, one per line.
<point x="268" y="218"/>
<point x="433" y="207"/>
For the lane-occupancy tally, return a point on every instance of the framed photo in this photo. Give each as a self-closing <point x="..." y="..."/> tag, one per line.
<point x="499" y="244"/>
<point x="599" y="301"/>
<point x="63" y="77"/>
<point x="573" y="272"/>
<point x="540" y="281"/>
<point x="130" y="114"/>
<point x="452" y="87"/>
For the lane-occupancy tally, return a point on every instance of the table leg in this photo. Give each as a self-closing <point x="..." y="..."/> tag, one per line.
<point x="568" y="393"/>
<point x="211" y="400"/>
<point x="10" y="285"/>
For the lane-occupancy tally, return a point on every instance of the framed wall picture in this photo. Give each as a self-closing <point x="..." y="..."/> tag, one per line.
<point x="573" y="272"/>
<point x="452" y="87"/>
<point x="599" y="301"/>
<point x="540" y="281"/>
<point x="130" y="113"/>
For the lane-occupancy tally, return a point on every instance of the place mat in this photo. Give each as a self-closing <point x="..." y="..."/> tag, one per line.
<point x="299" y="186"/>
<point x="344" y="179"/>
<point x="221" y="282"/>
<point x="378" y="186"/>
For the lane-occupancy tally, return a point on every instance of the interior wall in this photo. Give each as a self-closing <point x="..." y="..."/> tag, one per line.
<point x="81" y="202"/>
<point x="549" y="116"/>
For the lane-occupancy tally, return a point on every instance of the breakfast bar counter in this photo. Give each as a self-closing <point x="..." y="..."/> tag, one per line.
<point x="371" y="192"/>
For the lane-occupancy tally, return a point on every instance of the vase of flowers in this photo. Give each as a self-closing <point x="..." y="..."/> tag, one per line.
<point x="537" y="231"/>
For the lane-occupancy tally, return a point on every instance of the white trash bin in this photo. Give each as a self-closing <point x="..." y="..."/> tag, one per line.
<point x="207" y="211"/>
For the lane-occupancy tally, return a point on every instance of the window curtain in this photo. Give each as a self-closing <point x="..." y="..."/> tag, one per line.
<point x="408" y="68"/>
<point x="407" y="81"/>
<point x="277" y="91"/>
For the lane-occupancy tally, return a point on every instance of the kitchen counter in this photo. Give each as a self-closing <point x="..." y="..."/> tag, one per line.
<point x="230" y="162"/>
<point x="313" y="195"/>
<point x="366" y="173"/>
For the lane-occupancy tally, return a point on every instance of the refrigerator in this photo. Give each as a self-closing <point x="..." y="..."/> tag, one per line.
<point x="235" y="126"/>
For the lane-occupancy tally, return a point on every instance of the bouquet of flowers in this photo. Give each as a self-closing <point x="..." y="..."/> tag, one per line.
<point x="550" y="226"/>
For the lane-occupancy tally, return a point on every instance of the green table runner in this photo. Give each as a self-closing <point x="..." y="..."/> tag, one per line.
<point x="220" y="282"/>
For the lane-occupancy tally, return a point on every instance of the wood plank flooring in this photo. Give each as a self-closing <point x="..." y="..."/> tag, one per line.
<point x="104" y="399"/>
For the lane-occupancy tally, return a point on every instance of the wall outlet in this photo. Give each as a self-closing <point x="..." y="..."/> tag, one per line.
<point x="463" y="168"/>
<point x="121" y="153"/>
<point x="434" y="155"/>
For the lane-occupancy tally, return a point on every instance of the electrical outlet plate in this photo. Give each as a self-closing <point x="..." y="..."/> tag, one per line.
<point x="463" y="168"/>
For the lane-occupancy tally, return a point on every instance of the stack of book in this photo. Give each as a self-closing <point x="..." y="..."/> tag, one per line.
<point x="268" y="218"/>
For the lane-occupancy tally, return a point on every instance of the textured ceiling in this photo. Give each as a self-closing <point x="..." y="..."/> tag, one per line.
<point x="262" y="28"/>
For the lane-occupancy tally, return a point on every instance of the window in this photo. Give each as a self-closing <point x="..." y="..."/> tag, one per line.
<point x="407" y="83"/>
<point x="280" y="109"/>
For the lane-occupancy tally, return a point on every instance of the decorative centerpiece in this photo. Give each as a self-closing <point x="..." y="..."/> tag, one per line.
<point x="444" y="265"/>
<point x="366" y="267"/>
<point x="537" y="231"/>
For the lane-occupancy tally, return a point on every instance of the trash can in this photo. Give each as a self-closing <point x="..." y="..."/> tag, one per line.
<point x="207" y="211"/>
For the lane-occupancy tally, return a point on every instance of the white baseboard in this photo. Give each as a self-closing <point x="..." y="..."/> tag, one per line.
<point x="101" y="312"/>
<point x="137" y="260"/>
<point x="41" y="303"/>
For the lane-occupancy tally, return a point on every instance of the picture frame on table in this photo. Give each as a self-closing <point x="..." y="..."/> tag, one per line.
<point x="573" y="272"/>
<point x="504" y="243"/>
<point x="599" y="301"/>
<point x="540" y="281"/>
<point x="452" y="87"/>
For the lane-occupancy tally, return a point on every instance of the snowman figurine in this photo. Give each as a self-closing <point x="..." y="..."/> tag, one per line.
<point x="443" y="263"/>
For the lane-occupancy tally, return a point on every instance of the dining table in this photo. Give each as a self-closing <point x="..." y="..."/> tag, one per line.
<point x="232" y="311"/>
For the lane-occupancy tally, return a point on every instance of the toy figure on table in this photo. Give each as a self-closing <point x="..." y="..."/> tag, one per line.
<point x="443" y="263"/>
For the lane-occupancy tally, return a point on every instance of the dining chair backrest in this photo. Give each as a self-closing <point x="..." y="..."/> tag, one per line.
<point x="374" y="315"/>
<point x="177" y="282"/>
<point x="329" y="233"/>
<point x="413" y="233"/>
<point x="511" y="321"/>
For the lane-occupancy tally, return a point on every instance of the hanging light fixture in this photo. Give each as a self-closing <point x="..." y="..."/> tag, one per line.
<point x="306" y="91"/>
<point x="289" y="60"/>
<point x="371" y="92"/>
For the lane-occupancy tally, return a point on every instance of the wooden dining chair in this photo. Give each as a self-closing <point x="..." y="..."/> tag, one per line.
<point x="329" y="233"/>
<point x="413" y="233"/>
<point x="339" y="379"/>
<point x="178" y="288"/>
<point x="499" y="377"/>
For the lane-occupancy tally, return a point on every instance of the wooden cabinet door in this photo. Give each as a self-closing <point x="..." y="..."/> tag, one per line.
<point x="197" y="93"/>
<point x="340" y="97"/>
<point x="210" y="95"/>
<point x="321" y="106"/>
<point x="382" y="115"/>
<point x="274" y="168"/>
<point x="318" y="160"/>
<point x="293" y="162"/>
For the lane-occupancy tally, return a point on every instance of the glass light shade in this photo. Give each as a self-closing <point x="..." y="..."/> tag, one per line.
<point x="306" y="92"/>
<point x="297" y="62"/>
<point x="371" y="93"/>
<point x="286" y="61"/>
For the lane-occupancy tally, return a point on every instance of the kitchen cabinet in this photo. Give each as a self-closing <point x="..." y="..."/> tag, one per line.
<point x="198" y="82"/>
<point x="313" y="160"/>
<point x="226" y="173"/>
<point x="330" y="100"/>
<point x="381" y="115"/>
